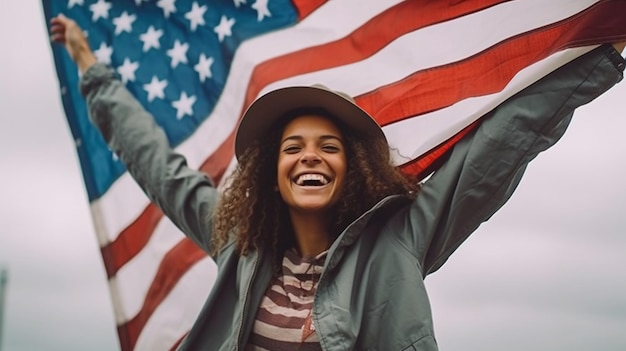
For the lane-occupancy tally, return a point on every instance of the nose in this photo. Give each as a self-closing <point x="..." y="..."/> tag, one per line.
<point x="310" y="157"/>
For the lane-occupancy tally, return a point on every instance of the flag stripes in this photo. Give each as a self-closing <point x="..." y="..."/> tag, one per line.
<point x="360" y="44"/>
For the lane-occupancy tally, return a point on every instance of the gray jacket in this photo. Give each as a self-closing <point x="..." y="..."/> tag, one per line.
<point x="371" y="295"/>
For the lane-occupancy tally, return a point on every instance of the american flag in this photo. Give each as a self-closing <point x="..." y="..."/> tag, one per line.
<point x="427" y="70"/>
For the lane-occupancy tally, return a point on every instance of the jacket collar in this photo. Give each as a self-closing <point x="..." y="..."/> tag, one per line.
<point x="354" y="230"/>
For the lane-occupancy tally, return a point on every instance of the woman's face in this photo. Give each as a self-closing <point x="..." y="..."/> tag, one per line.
<point x="311" y="164"/>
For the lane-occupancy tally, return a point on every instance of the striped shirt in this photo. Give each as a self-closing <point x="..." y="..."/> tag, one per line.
<point x="284" y="321"/>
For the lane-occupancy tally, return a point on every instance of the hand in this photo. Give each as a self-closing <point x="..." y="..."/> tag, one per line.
<point x="619" y="46"/>
<point x="65" y="31"/>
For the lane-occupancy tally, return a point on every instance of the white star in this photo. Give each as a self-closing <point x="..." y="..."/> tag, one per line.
<point x="183" y="106"/>
<point x="195" y="15"/>
<point x="239" y="2"/>
<point x="261" y="8"/>
<point x="100" y="9"/>
<point x="124" y="23"/>
<point x="103" y="54"/>
<point x="127" y="70"/>
<point x="138" y="2"/>
<point x="71" y="3"/>
<point x="224" y="28"/>
<point x="167" y="6"/>
<point x="203" y="67"/>
<point x="178" y="53"/>
<point x="151" y="39"/>
<point x="155" y="89"/>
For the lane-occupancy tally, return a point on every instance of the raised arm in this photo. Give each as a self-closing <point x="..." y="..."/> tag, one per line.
<point x="484" y="168"/>
<point x="186" y="196"/>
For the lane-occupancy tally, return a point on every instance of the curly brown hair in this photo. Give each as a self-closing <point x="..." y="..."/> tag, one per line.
<point x="252" y="214"/>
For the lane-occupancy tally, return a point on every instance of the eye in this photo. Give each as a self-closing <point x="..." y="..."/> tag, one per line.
<point x="331" y="148"/>
<point x="291" y="149"/>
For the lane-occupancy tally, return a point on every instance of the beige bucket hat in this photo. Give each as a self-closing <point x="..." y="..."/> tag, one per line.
<point x="264" y="112"/>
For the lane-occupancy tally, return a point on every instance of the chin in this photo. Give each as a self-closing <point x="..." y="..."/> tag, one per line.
<point x="313" y="206"/>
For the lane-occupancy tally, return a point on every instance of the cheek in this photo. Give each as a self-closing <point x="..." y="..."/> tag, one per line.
<point x="341" y="169"/>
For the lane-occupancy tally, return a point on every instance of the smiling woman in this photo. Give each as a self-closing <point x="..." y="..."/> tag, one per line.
<point x="321" y="242"/>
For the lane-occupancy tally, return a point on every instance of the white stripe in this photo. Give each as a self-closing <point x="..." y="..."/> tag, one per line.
<point x="117" y="215"/>
<point x="169" y="321"/>
<point x="280" y="333"/>
<point x="119" y="207"/>
<point x="293" y="298"/>
<point x="270" y="306"/>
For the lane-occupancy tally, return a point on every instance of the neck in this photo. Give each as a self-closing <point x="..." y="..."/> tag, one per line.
<point x="311" y="233"/>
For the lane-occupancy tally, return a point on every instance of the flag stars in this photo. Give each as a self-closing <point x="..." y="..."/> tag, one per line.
<point x="195" y="15"/>
<point x="203" y="67"/>
<point x="103" y="53"/>
<point x="100" y="10"/>
<point x="155" y="89"/>
<point x="151" y="38"/>
<point x="239" y="3"/>
<point x="178" y="53"/>
<point x="167" y="6"/>
<point x="124" y="23"/>
<point x="183" y="105"/>
<point x="71" y="3"/>
<point x="261" y="8"/>
<point x="224" y="29"/>
<point x="127" y="70"/>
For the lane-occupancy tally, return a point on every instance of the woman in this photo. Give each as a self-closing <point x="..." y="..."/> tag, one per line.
<point x="321" y="243"/>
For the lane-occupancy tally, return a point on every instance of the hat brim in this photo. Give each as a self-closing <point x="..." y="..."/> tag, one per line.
<point x="263" y="113"/>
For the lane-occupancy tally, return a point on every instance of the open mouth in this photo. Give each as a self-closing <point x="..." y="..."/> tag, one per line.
<point x="312" y="179"/>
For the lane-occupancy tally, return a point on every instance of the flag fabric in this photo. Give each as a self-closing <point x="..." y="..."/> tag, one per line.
<point x="426" y="70"/>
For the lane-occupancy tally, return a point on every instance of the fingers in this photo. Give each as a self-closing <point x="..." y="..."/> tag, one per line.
<point x="60" y="26"/>
<point x="66" y="31"/>
<point x="57" y="33"/>
<point x="60" y="19"/>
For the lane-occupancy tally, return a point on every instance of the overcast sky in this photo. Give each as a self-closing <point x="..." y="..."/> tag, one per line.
<point x="547" y="272"/>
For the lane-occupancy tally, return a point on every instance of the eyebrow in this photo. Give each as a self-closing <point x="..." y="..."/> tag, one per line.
<point x="323" y="137"/>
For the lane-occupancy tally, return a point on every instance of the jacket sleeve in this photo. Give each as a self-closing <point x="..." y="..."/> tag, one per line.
<point x="485" y="167"/>
<point x="186" y="196"/>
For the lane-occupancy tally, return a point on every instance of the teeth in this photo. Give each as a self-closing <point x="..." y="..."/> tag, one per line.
<point x="311" y="177"/>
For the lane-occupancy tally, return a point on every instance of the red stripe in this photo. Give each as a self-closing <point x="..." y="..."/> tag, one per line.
<point x="131" y="240"/>
<point x="306" y="7"/>
<point x="436" y="88"/>
<point x="173" y="266"/>
<point x="178" y="342"/>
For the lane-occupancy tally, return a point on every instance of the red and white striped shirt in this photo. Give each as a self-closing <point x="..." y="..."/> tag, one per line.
<point x="284" y="321"/>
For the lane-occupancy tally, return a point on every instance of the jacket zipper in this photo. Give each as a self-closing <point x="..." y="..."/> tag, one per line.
<point x="246" y="300"/>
